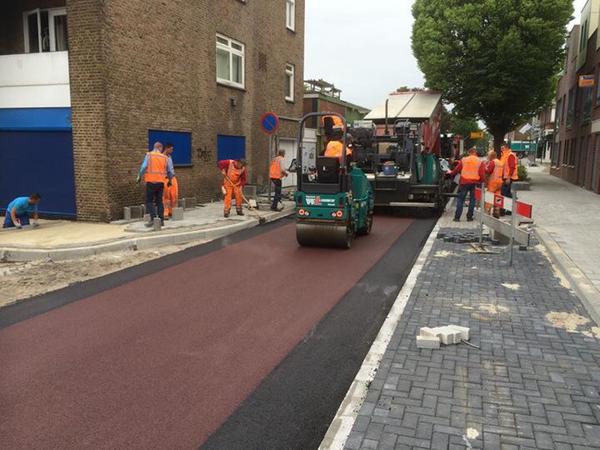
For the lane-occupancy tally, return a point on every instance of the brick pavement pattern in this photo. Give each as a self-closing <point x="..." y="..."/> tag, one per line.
<point x="535" y="382"/>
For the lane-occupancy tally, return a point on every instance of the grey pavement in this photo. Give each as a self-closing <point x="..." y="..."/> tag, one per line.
<point x="571" y="216"/>
<point x="534" y="382"/>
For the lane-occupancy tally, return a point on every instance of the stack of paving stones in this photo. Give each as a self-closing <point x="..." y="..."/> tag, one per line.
<point x="532" y="384"/>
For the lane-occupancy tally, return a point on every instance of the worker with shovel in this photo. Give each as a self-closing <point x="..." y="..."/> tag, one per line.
<point x="19" y="210"/>
<point x="234" y="179"/>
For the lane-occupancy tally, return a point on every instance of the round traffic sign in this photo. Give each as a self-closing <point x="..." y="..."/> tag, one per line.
<point x="269" y="122"/>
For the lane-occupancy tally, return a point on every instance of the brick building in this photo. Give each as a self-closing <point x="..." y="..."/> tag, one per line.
<point x="575" y="155"/>
<point x="88" y="85"/>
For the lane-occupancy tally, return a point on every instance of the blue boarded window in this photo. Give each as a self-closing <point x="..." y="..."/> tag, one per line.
<point x="231" y="147"/>
<point x="182" y="144"/>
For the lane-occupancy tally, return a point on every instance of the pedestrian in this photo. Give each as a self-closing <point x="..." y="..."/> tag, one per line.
<point x="472" y="172"/>
<point x="171" y="192"/>
<point x="494" y="171"/>
<point x="155" y="169"/>
<point x="277" y="173"/>
<point x="234" y="179"/>
<point x="510" y="172"/>
<point x="19" y="210"/>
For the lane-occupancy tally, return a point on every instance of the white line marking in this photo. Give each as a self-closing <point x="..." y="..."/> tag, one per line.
<point x="342" y="424"/>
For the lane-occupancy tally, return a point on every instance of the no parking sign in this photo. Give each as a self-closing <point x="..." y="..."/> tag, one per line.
<point x="269" y="122"/>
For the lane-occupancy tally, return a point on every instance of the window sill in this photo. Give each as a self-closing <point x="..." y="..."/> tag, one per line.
<point x="290" y="100"/>
<point x="177" y="166"/>
<point x="227" y="84"/>
<point x="291" y="30"/>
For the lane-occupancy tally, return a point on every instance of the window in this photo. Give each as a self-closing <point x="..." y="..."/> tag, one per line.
<point x="182" y="144"/>
<point x="45" y="30"/>
<point x="587" y="104"/>
<point x="558" y="114"/>
<point x="584" y="35"/>
<point x="289" y="82"/>
<point x="230" y="62"/>
<point x="290" y="14"/>
<point x="571" y="108"/>
<point x="554" y="153"/>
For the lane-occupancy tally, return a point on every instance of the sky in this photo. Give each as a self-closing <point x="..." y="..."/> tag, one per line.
<point x="364" y="47"/>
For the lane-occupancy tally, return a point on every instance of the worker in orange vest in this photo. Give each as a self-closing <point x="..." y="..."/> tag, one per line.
<point x="155" y="169"/>
<point x="472" y="172"/>
<point x="277" y="173"/>
<point x="510" y="173"/>
<point x="234" y="175"/>
<point x="171" y="192"/>
<point x="495" y="172"/>
<point x="335" y="147"/>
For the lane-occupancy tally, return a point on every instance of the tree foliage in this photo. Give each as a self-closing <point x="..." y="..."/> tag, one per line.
<point x="493" y="59"/>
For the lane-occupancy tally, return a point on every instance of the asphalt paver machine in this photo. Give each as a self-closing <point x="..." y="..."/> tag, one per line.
<point x="334" y="200"/>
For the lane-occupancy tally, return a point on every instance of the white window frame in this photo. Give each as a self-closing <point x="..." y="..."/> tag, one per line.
<point x="290" y="77"/>
<point x="232" y="51"/>
<point x="52" y="12"/>
<point x="290" y="14"/>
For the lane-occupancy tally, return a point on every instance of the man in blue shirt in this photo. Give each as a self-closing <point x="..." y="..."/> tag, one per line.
<point x="19" y="210"/>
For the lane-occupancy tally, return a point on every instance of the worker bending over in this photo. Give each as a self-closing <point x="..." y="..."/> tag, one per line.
<point x="171" y="192"/>
<point x="472" y="172"/>
<point x="234" y="179"/>
<point x="155" y="169"/>
<point x="19" y="210"/>
<point x="494" y="171"/>
<point x="277" y="173"/>
<point x="510" y="172"/>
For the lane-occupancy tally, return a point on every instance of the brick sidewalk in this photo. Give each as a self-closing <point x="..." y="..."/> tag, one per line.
<point x="535" y="383"/>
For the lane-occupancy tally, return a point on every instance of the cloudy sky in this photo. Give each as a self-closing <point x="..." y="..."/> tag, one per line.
<point x="364" y="47"/>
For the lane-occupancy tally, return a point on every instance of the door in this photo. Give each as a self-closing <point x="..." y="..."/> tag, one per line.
<point x="41" y="162"/>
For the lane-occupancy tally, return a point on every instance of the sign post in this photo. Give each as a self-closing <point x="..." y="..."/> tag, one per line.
<point x="269" y="123"/>
<point x="481" y="213"/>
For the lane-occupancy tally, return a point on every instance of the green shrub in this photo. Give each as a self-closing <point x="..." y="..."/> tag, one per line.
<point x="522" y="172"/>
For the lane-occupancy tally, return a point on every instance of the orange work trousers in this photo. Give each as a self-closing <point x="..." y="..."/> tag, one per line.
<point x="231" y="191"/>
<point x="170" y="196"/>
<point x="494" y="187"/>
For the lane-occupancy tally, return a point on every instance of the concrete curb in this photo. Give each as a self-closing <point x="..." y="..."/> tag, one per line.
<point x="14" y="254"/>
<point x="346" y="415"/>
<point x="580" y="283"/>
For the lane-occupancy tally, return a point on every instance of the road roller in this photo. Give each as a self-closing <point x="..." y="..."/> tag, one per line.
<point x="334" y="200"/>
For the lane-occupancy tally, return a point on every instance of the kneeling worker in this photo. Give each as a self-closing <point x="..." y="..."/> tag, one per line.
<point x="171" y="190"/>
<point x="234" y="174"/>
<point x="495" y="171"/>
<point x="19" y="210"/>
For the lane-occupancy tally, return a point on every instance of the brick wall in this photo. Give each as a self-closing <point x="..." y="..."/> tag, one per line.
<point x="11" y="22"/>
<point x="88" y="73"/>
<point x="155" y="69"/>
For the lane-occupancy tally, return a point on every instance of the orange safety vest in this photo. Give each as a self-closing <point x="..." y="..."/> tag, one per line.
<point x="498" y="172"/>
<point x="504" y="158"/>
<point x="156" y="168"/>
<point x="233" y="173"/>
<point x="275" y="172"/>
<point x="334" y="150"/>
<point x="470" y="168"/>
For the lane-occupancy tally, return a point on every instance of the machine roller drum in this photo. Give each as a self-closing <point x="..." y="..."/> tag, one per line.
<point x="324" y="235"/>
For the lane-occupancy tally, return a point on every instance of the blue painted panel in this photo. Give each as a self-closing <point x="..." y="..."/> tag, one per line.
<point x="182" y="144"/>
<point x="231" y="147"/>
<point x="35" y="119"/>
<point x="40" y="161"/>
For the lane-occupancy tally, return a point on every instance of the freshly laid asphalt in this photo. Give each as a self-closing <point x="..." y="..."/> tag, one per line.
<point x="248" y="342"/>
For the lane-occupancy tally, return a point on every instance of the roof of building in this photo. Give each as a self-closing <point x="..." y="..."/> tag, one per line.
<point x="408" y="105"/>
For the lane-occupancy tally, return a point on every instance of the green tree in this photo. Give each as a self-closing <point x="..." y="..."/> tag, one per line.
<point x="459" y="125"/>
<point x="493" y="59"/>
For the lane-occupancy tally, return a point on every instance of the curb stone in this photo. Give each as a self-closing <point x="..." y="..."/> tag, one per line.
<point x="12" y="254"/>
<point x="580" y="283"/>
<point x="339" y="430"/>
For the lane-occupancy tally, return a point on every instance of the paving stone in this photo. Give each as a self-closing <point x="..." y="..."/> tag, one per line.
<point x="531" y="385"/>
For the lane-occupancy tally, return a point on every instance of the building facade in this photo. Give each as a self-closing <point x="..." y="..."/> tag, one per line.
<point x="575" y="154"/>
<point x="91" y="84"/>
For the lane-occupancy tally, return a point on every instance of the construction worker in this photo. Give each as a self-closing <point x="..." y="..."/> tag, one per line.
<point x="19" y="210"/>
<point x="495" y="172"/>
<point x="234" y="175"/>
<point x="510" y="173"/>
<point x="277" y="173"/>
<point x="472" y="172"/>
<point x="336" y="145"/>
<point x="171" y="192"/>
<point x="155" y="168"/>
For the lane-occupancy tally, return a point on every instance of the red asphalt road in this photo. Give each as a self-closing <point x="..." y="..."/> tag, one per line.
<point x="162" y="361"/>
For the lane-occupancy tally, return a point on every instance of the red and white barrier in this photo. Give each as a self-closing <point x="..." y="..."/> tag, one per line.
<point x="499" y="201"/>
